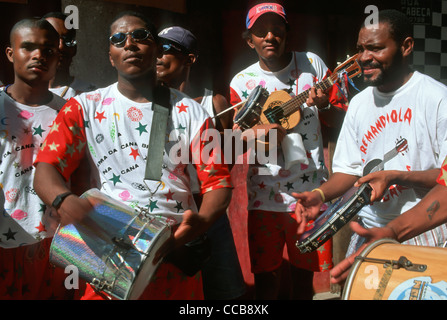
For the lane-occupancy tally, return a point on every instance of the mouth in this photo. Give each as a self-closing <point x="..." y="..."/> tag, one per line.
<point x="270" y="46"/>
<point x="37" y="67"/>
<point x="133" y="58"/>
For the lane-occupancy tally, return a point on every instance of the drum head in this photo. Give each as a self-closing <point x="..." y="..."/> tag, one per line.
<point x="321" y="222"/>
<point x="252" y="98"/>
<point x="147" y="269"/>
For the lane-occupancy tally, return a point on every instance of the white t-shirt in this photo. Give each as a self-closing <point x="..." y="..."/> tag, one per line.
<point x="376" y="121"/>
<point x="23" y="130"/>
<point x="272" y="191"/>
<point x="114" y="131"/>
<point x="76" y="87"/>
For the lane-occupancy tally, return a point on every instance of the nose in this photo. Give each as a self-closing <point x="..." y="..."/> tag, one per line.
<point x="269" y="35"/>
<point x="130" y="41"/>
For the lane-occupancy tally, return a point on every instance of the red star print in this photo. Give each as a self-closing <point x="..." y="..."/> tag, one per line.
<point x="41" y="227"/>
<point x="100" y="116"/>
<point x="169" y="195"/>
<point x="182" y="108"/>
<point x="261" y="185"/>
<point x="134" y="153"/>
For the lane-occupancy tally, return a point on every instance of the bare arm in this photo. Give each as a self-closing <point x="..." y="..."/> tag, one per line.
<point x="380" y="181"/>
<point x="309" y="203"/>
<point x="49" y="183"/>
<point x="429" y="213"/>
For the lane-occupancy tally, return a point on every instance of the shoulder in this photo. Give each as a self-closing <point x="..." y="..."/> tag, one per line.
<point x="250" y="71"/>
<point x="98" y="95"/>
<point x="430" y="84"/>
<point x="57" y="102"/>
<point x="80" y="85"/>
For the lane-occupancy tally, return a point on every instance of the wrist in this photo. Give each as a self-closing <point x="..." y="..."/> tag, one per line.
<point x="326" y="108"/>
<point x="322" y="196"/>
<point x="59" y="199"/>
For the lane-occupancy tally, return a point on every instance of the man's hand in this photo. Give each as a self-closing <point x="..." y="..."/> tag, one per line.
<point x="74" y="210"/>
<point x="185" y="233"/>
<point x="307" y="208"/>
<point x="341" y="271"/>
<point x="318" y="98"/>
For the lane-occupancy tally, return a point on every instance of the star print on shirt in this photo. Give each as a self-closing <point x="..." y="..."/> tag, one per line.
<point x="169" y="195"/>
<point x="38" y="131"/>
<point x="289" y="186"/>
<point x="153" y="205"/>
<point x="178" y="206"/>
<point x="10" y="234"/>
<point x="100" y="116"/>
<point x="141" y="128"/>
<point x="115" y="179"/>
<point x="305" y="178"/>
<point x="134" y="153"/>
<point x="182" y="108"/>
<point x="41" y="227"/>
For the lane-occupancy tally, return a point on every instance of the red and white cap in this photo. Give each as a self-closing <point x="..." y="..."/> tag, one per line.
<point x="260" y="9"/>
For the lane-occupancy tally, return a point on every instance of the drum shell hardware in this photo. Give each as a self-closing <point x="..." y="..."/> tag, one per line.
<point x="388" y="270"/>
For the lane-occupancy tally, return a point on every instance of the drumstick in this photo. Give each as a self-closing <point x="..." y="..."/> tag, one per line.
<point x="230" y="108"/>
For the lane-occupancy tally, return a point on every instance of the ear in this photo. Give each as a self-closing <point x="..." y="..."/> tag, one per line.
<point x="111" y="60"/>
<point x="407" y="46"/>
<point x="9" y="54"/>
<point x="250" y="42"/>
<point x="191" y="59"/>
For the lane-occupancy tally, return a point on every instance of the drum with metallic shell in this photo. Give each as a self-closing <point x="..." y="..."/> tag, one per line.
<point x="113" y="248"/>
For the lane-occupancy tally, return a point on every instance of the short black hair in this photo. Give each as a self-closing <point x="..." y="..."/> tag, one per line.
<point x="61" y="16"/>
<point x="34" y="23"/>
<point x="400" y="26"/>
<point x="148" y="23"/>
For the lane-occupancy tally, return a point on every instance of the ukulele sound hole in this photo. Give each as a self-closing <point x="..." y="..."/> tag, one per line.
<point x="275" y="113"/>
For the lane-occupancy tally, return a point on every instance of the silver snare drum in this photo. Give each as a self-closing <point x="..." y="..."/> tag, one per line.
<point x="113" y="248"/>
<point x="334" y="218"/>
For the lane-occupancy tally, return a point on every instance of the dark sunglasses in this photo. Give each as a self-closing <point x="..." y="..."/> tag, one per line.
<point x="68" y="41"/>
<point x="119" y="38"/>
<point x="170" y="46"/>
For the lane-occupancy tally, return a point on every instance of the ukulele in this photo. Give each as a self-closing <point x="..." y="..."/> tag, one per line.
<point x="283" y="109"/>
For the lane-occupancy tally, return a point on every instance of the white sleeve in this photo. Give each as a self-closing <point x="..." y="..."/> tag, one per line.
<point x="318" y="64"/>
<point x="347" y="158"/>
<point x="441" y="134"/>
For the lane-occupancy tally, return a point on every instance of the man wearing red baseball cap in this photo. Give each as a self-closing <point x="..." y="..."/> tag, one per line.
<point x="271" y="206"/>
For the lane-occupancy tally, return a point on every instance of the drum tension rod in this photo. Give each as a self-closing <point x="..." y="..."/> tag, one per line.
<point x="403" y="262"/>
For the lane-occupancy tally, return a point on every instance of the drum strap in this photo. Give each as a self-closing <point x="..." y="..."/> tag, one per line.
<point x="161" y="111"/>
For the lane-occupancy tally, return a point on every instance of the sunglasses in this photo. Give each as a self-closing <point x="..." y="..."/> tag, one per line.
<point x="68" y="42"/>
<point x="170" y="46"/>
<point x="118" y="39"/>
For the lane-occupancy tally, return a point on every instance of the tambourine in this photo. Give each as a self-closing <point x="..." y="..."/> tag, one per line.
<point x="250" y="114"/>
<point x="334" y="218"/>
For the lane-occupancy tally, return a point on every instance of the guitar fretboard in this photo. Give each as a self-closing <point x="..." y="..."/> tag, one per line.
<point x="296" y="102"/>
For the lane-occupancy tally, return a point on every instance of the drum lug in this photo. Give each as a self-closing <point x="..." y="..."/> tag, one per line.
<point x="403" y="262"/>
<point x="102" y="285"/>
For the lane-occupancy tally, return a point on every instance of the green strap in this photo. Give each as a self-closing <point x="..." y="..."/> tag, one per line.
<point x="156" y="143"/>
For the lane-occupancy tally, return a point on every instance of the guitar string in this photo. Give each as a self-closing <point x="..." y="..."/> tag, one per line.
<point x="295" y="103"/>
